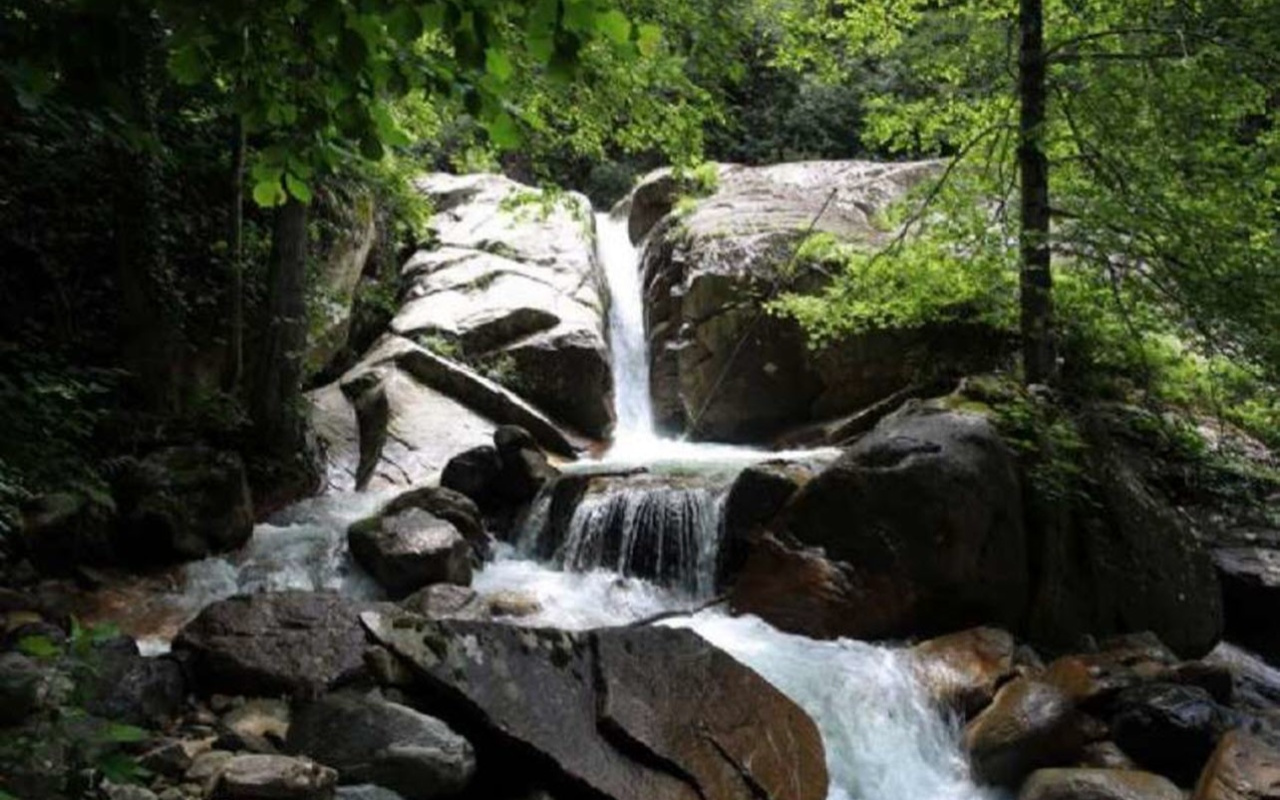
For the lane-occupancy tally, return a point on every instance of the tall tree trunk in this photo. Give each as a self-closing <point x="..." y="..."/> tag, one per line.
<point x="276" y="400"/>
<point x="150" y="311"/>
<point x="236" y="242"/>
<point x="1039" y="359"/>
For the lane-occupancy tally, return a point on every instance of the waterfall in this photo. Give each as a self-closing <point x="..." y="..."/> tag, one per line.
<point x="621" y="263"/>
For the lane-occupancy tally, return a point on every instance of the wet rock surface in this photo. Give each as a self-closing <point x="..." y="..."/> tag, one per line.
<point x="963" y="670"/>
<point x="1097" y="784"/>
<point x="282" y="643"/>
<point x="616" y="710"/>
<point x="410" y="549"/>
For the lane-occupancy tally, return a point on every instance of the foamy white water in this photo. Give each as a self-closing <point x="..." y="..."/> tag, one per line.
<point x="632" y="403"/>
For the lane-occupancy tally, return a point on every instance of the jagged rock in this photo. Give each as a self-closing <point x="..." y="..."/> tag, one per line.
<point x="921" y="526"/>
<point x="182" y="503"/>
<point x="631" y="714"/>
<point x="370" y="740"/>
<point x="410" y="549"/>
<point x="279" y="643"/>
<point x="1169" y="729"/>
<point x="1097" y="784"/>
<point x="447" y="601"/>
<point x="268" y="777"/>
<point x="721" y="369"/>
<point x="1030" y="725"/>
<point x="963" y="670"/>
<point x="755" y="498"/>
<point x="1242" y="767"/>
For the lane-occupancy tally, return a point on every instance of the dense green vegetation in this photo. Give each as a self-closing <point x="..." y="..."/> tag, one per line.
<point x="171" y="175"/>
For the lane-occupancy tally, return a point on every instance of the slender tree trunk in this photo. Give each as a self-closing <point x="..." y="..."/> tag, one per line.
<point x="236" y="241"/>
<point x="276" y="401"/>
<point x="1039" y="359"/>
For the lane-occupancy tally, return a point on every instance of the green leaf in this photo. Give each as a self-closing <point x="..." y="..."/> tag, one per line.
<point x="297" y="187"/>
<point x="268" y="193"/>
<point x="498" y="64"/>
<point x="503" y="131"/>
<point x="648" y="39"/>
<point x="125" y="734"/>
<point x="186" y="64"/>
<point x="614" y="25"/>
<point x="405" y="24"/>
<point x="39" y="647"/>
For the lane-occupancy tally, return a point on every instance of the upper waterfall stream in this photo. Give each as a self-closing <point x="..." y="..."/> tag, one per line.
<point x="884" y="738"/>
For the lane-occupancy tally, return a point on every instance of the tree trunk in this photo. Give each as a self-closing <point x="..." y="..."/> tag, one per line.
<point x="1039" y="359"/>
<point x="236" y="242"/>
<point x="276" y="401"/>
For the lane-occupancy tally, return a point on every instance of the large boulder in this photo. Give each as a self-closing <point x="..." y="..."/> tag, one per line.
<point x="721" y="368"/>
<point x="629" y="714"/>
<point x="755" y="498"/>
<point x="1242" y="767"/>
<point x="279" y="643"/>
<point x="410" y="549"/>
<point x="62" y="530"/>
<point x="514" y="285"/>
<point x="182" y="503"/>
<point x="921" y="530"/>
<point x="1097" y="784"/>
<point x="1116" y="556"/>
<point x="127" y="687"/>
<point x="370" y="740"/>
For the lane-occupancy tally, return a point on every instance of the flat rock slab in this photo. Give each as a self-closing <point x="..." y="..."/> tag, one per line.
<point x="632" y="713"/>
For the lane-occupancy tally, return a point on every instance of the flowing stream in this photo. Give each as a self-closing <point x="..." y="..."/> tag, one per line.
<point x="637" y="545"/>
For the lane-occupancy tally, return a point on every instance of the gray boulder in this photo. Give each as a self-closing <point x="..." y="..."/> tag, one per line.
<point x="1097" y="784"/>
<point x="629" y="714"/>
<point x="410" y="549"/>
<point x="269" y="644"/>
<point x="370" y="740"/>
<point x="271" y="777"/>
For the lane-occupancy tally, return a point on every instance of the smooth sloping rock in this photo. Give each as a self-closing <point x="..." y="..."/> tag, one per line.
<point x="1242" y="767"/>
<point x="1097" y="784"/>
<point x="1168" y="728"/>
<point x="1031" y="724"/>
<point x="370" y="740"/>
<point x="410" y="549"/>
<point x="963" y="670"/>
<point x="721" y="368"/>
<point x="621" y="711"/>
<point x="269" y="777"/>
<point x="921" y="525"/>
<point x="279" y="643"/>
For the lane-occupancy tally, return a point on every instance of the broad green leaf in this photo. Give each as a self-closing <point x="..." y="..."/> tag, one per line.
<point x="125" y="734"/>
<point x="498" y="64"/>
<point x="268" y="193"/>
<point x="297" y="187"/>
<point x="39" y="647"/>
<point x="614" y="25"/>
<point x="503" y="131"/>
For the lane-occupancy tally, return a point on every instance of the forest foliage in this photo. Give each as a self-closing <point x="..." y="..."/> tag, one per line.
<point x="149" y="150"/>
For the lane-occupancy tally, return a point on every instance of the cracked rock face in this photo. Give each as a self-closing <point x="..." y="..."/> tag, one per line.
<point x="632" y="713"/>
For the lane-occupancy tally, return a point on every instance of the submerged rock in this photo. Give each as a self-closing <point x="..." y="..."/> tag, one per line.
<point x="631" y="714"/>
<point x="370" y="740"/>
